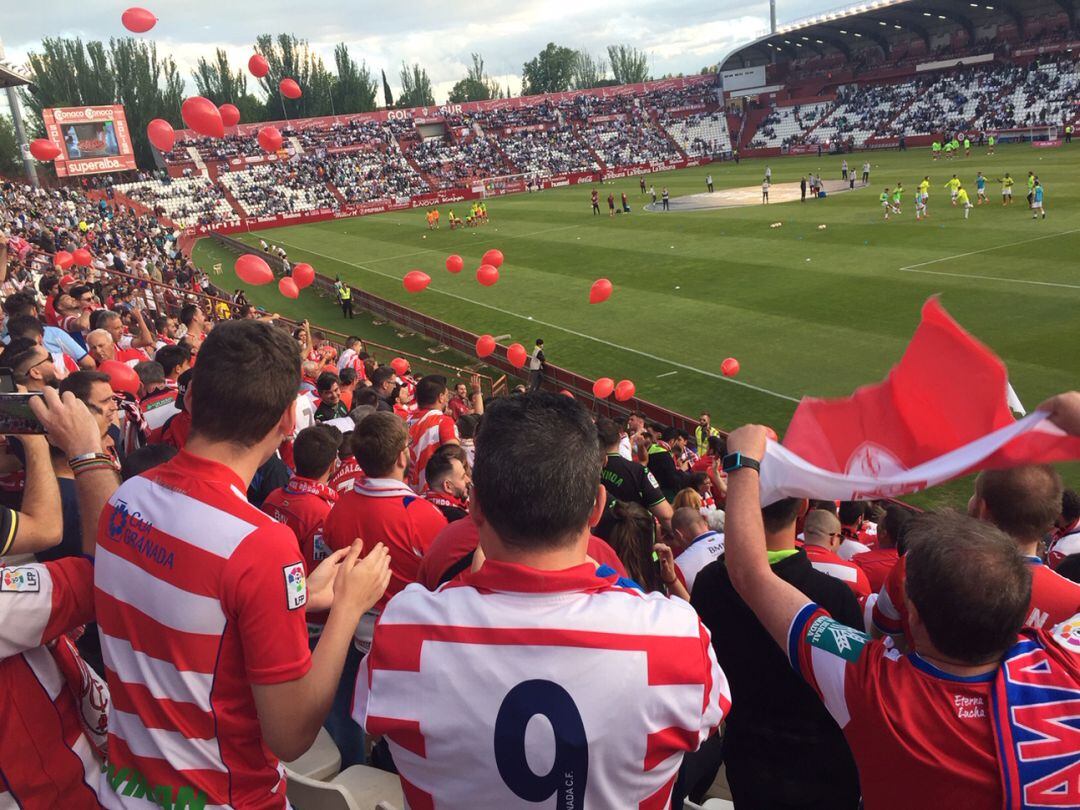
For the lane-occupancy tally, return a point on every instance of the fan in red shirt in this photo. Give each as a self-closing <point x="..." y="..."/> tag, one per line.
<point x="1023" y="502"/>
<point x="430" y="427"/>
<point x="821" y="531"/>
<point x="128" y="347"/>
<point x="306" y="500"/>
<point x="381" y="508"/>
<point x="878" y="562"/>
<point x="176" y="428"/>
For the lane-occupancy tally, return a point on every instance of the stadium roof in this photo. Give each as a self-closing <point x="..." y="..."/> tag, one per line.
<point x="11" y="76"/>
<point x="880" y="23"/>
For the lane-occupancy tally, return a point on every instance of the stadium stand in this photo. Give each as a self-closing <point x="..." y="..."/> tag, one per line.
<point x="187" y="201"/>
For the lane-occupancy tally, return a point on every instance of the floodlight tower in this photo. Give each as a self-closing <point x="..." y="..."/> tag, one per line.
<point x="772" y="16"/>
<point x="10" y="78"/>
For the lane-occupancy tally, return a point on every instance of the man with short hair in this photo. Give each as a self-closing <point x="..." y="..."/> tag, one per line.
<point x="854" y="528"/>
<point x="537" y="629"/>
<point x="100" y="345"/>
<point x="128" y="347"/>
<point x="700" y="545"/>
<point x="954" y="720"/>
<point x="662" y="455"/>
<point x="1066" y="539"/>
<point x="462" y="403"/>
<point x="626" y="481"/>
<point x="193" y="320"/>
<point x="249" y="691"/>
<point x="776" y="719"/>
<point x="430" y="427"/>
<point x="328" y="388"/>
<point x="157" y="400"/>
<point x="175" y="360"/>
<point x="702" y="432"/>
<point x="31" y="364"/>
<point x="1023" y="502"/>
<point x="383" y="384"/>
<point x="93" y="389"/>
<point x="822" y="537"/>
<point x="448" y="485"/>
<point x="537" y="366"/>
<point x="879" y="561"/>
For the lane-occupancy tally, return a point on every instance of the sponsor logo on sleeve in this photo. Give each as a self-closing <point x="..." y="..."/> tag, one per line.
<point x="295" y="585"/>
<point x="20" y="580"/>
<point x="827" y="634"/>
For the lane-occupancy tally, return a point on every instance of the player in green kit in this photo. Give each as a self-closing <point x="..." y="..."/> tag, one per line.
<point x="1031" y="188"/>
<point x="990" y="141"/>
<point x="897" y="194"/>
<point x="947" y="149"/>
<point x="935" y="147"/>
<point x="967" y="147"/>
<point x="884" y="198"/>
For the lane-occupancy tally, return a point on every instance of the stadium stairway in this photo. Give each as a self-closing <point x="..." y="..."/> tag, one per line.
<point x="231" y="200"/>
<point x="337" y="194"/>
<point x="751" y="121"/>
<point x="595" y="155"/>
<point x="416" y="168"/>
<point x="655" y="117"/>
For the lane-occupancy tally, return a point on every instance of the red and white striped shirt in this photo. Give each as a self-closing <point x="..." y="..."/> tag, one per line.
<point x="199" y="595"/>
<point x="53" y="716"/>
<point x="427" y="433"/>
<point x="626" y="681"/>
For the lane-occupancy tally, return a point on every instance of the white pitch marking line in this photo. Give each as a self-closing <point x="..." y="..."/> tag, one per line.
<point x="668" y="374"/>
<point x="913" y="268"/>
<point x="555" y="326"/>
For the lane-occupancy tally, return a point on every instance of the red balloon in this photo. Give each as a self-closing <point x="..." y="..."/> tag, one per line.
<point x="258" y="65"/>
<point x="138" y="20"/>
<point x="253" y="270"/>
<point x="416" y="281"/>
<point x="82" y="257"/>
<point x="487" y="275"/>
<point x="230" y="114"/>
<point x="270" y="139"/>
<point x="63" y="259"/>
<point x="517" y="355"/>
<point x="201" y="115"/>
<point x="303" y="274"/>
<point x="493" y="257"/>
<point x="730" y="367"/>
<point x="289" y="88"/>
<point x="44" y="149"/>
<point x="566" y="393"/>
<point x="624" y="390"/>
<point x="455" y="263"/>
<point x="161" y="134"/>
<point x="485" y="345"/>
<point x="122" y="377"/>
<point x="288" y="288"/>
<point x="771" y="434"/>
<point x="603" y="387"/>
<point x="400" y="366"/>
<point x="600" y="291"/>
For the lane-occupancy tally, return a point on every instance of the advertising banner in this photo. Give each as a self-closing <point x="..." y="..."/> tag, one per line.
<point x="92" y="140"/>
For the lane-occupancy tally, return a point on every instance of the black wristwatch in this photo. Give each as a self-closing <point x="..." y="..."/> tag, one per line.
<point x="737" y="461"/>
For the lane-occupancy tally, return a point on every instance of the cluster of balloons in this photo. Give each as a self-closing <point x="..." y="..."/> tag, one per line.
<point x="254" y="270"/>
<point x="605" y="386"/>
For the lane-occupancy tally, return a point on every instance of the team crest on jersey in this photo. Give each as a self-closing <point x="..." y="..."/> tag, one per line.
<point x="828" y="634"/>
<point x="1067" y="634"/>
<point x="295" y="585"/>
<point x="20" y="580"/>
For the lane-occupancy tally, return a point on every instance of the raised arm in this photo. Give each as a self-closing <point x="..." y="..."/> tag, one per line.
<point x="773" y="600"/>
<point x="39" y="524"/>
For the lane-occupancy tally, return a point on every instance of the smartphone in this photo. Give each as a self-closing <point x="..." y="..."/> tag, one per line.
<point x="15" y="414"/>
<point x="7" y="381"/>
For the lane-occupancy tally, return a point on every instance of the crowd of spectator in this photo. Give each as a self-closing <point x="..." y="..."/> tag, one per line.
<point x="286" y="535"/>
<point x="186" y="201"/>
<point x="451" y="163"/>
<point x="282" y="186"/>
<point x="625" y="143"/>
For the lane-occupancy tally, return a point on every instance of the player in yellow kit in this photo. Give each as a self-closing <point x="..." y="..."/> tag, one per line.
<point x="964" y="201"/>
<point x="1007" y="184"/>
<point x="924" y="186"/>
<point x="953" y="186"/>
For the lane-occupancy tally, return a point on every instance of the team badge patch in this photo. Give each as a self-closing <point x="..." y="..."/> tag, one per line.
<point x="20" y="580"/>
<point x="1067" y="634"/>
<point x="828" y="634"/>
<point x="295" y="585"/>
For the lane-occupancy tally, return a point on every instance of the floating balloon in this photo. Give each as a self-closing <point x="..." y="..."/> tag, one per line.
<point x="603" y="387"/>
<point x="487" y="275"/>
<point x="517" y="355"/>
<point x="270" y="139"/>
<point x="288" y="288"/>
<point x="600" y="291"/>
<point x="400" y="366"/>
<point x="161" y="134"/>
<point x="258" y="65"/>
<point x="289" y="88"/>
<point x="485" y="345"/>
<point x="730" y="367"/>
<point x="63" y="259"/>
<point x="82" y="257"/>
<point x="44" y="149"/>
<point x="201" y="115"/>
<point x="566" y="393"/>
<point x="416" y="281"/>
<point x="455" y="263"/>
<point x="230" y="114"/>
<point x="303" y="274"/>
<point x="253" y="270"/>
<point x="122" y="377"/>
<point x="493" y="257"/>
<point x="138" y="20"/>
<point x="624" y="390"/>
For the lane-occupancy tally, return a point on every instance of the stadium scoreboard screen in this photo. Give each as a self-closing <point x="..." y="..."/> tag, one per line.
<point x="92" y="140"/>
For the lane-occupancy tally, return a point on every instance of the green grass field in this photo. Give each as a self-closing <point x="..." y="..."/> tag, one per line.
<point x="805" y="310"/>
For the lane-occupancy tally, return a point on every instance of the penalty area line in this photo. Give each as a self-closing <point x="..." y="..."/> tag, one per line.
<point x="916" y="268"/>
<point x="548" y="325"/>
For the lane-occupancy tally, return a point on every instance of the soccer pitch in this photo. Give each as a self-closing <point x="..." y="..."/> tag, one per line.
<point x="806" y="310"/>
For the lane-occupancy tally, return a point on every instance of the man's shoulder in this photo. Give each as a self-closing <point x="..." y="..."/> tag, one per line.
<point x="830" y="593"/>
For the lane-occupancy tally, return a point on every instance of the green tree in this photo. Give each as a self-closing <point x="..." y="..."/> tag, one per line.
<point x="415" y="87"/>
<point x="550" y="71"/>
<point x="11" y="163"/>
<point x="292" y="57"/>
<point x="216" y="81"/>
<point x="354" y="86"/>
<point x="588" y="71"/>
<point x="630" y="65"/>
<point x="388" y="97"/>
<point x="477" y="85"/>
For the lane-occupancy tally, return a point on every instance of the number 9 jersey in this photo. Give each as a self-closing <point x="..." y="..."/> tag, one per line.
<point x="513" y="687"/>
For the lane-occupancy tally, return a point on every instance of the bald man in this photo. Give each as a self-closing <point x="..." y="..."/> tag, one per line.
<point x="700" y="545"/>
<point x="822" y="537"/>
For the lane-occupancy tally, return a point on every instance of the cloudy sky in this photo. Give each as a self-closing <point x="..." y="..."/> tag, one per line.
<point x="680" y="35"/>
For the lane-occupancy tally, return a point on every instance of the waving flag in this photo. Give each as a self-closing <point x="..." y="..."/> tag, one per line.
<point x="943" y="411"/>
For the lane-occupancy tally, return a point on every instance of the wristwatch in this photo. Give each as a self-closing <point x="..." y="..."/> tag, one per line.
<point x="737" y="461"/>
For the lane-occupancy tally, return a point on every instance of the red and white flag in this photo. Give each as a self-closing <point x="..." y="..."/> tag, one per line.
<point x="943" y="411"/>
